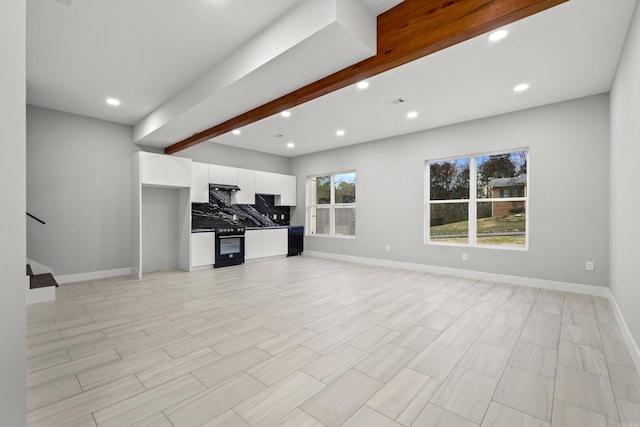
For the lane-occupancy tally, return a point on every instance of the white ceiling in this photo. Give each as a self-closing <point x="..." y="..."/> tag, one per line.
<point x="146" y="52"/>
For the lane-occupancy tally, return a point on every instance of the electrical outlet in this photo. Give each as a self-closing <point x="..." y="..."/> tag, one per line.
<point x="388" y="248"/>
<point x="589" y="266"/>
<point x="465" y="257"/>
<point x="282" y="216"/>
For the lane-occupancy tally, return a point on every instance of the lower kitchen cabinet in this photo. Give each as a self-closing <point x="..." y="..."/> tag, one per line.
<point x="203" y="250"/>
<point x="266" y="243"/>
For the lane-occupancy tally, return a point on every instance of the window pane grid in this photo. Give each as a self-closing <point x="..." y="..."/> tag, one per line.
<point x="332" y="208"/>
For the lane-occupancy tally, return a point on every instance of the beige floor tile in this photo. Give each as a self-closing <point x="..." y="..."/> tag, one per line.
<point x="534" y="358"/>
<point x="228" y="419"/>
<point x="580" y="335"/>
<point x="273" y="403"/>
<point x="586" y="320"/>
<point x="243" y="341"/>
<point x="502" y="416"/>
<point x="374" y="338"/>
<point x="509" y="320"/>
<point x="55" y="391"/>
<point x="298" y="418"/>
<point x="69" y="409"/>
<point x="584" y="357"/>
<point x="434" y="416"/>
<point x="342" y="398"/>
<point x="155" y="420"/>
<point x="329" y="340"/>
<point x="585" y="390"/>
<point x="477" y="390"/>
<point x="386" y="362"/>
<point x="617" y="353"/>
<point x="172" y="369"/>
<point x="485" y="359"/>
<point x="363" y="322"/>
<point x="191" y="344"/>
<point x="74" y="367"/>
<point x="544" y="319"/>
<point x="47" y="360"/>
<point x="625" y="382"/>
<point x="209" y="404"/>
<point x="218" y="371"/>
<point x="606" y="317"/>
<point x="458" y="337"/>
<point x="403" y="397"/>
<point x="629" y="412"/>
<point x="436" y="361"/>
<point x="550" y="307"/>
<point x="333" y="365"/>
<point x="286" y="341"/>
<point x="541" y="336"/>
<point x="121" y="368"/>
<point x="526" y="392"/>
<point x="565" y="415"/>
<point x="499" y="336"/>
<point x="273" y="370"/>
<point x="368" y="417"/>
<point x="143" y="405"/>
<point x="438" y="321"/>
<point x="416" y="338"/>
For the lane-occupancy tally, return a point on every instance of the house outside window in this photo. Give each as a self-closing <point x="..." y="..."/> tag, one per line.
<point x="332" y="208"/>
<point x="494" y="214"/>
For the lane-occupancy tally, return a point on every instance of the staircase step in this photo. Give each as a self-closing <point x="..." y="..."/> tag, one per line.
<point x="42" y="281"/>
<point x="29" y="270"/>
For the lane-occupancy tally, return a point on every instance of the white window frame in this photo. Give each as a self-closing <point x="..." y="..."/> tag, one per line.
<point x="472" y="202"/>
<point x="332" y="206"/>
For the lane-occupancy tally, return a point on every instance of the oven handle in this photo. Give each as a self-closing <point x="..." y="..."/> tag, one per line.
<point x="231" y="237"/>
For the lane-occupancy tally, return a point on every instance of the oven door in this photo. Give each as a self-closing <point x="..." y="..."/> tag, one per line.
<point x="229" y="250"/>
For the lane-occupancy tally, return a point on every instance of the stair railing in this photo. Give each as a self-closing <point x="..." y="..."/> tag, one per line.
<point x="36" y="218"/>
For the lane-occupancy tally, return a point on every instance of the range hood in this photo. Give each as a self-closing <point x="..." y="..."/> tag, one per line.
<point x="224" y="187"/>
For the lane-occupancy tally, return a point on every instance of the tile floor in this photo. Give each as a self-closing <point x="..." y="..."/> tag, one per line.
<point x="309" y="342"/>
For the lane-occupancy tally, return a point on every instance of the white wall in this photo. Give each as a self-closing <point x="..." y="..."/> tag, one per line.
<point x="568" y="183"/>
<point x="159" y="229"/>
<point x="12" y="213"/>
<point x="79" y="183"/>
<point x="218" y="154"/>
<point x="624" y="200"/>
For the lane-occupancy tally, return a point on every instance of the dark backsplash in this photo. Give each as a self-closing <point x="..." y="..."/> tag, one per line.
<point x="219" y="212"/>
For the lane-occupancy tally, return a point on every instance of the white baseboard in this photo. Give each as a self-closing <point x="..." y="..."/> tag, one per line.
<point x="599" y="291"/>
<point x="632" y="346"/>
<point x="93" y="275"/>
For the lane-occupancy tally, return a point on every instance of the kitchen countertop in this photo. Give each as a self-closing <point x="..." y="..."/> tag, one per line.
<point x="211" y="230"/>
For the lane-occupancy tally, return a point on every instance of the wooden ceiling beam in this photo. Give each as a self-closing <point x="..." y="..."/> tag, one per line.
<point x="409" y="31"/>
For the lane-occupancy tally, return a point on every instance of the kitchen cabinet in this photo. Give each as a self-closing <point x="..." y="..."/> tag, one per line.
<point x="203" y="251"/>
<point x="223" y="175"/>
<point x="199" y="183"/>
<point x="161" y="170"/>
<point x="287" y="193"/>
<point x="266" y="243"/>
<point x="247" y="183"/>
<point x="267" y="183"/>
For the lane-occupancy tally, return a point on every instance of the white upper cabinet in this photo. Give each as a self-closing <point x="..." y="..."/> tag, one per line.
<point x="199" y="183"/>
<point x="247" y="184"/>
<point x="267" y="183"/>
<point x="287" y="191"/>
<point x="161" y="170"/>
<point x="223" y="175"/>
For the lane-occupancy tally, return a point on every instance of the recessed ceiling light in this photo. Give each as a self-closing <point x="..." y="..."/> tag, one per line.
<point x="340" y="132"/>
<point x="362" y="85"/>
<point x="498" y="35"/>
<point x="286" y="113"/>
<point x="521" y="87"/>
<point x="236" y="131"/>
<point x="113" y="101"/>
<point x="412" y="114"/>
<point x="290" y="145"/>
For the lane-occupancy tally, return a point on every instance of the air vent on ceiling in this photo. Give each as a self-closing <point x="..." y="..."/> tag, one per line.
<point x="395" y="101"/>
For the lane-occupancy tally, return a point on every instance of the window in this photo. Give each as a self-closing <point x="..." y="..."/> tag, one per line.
<point x="332" y="209"/>
<point x="494" y="214"/>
